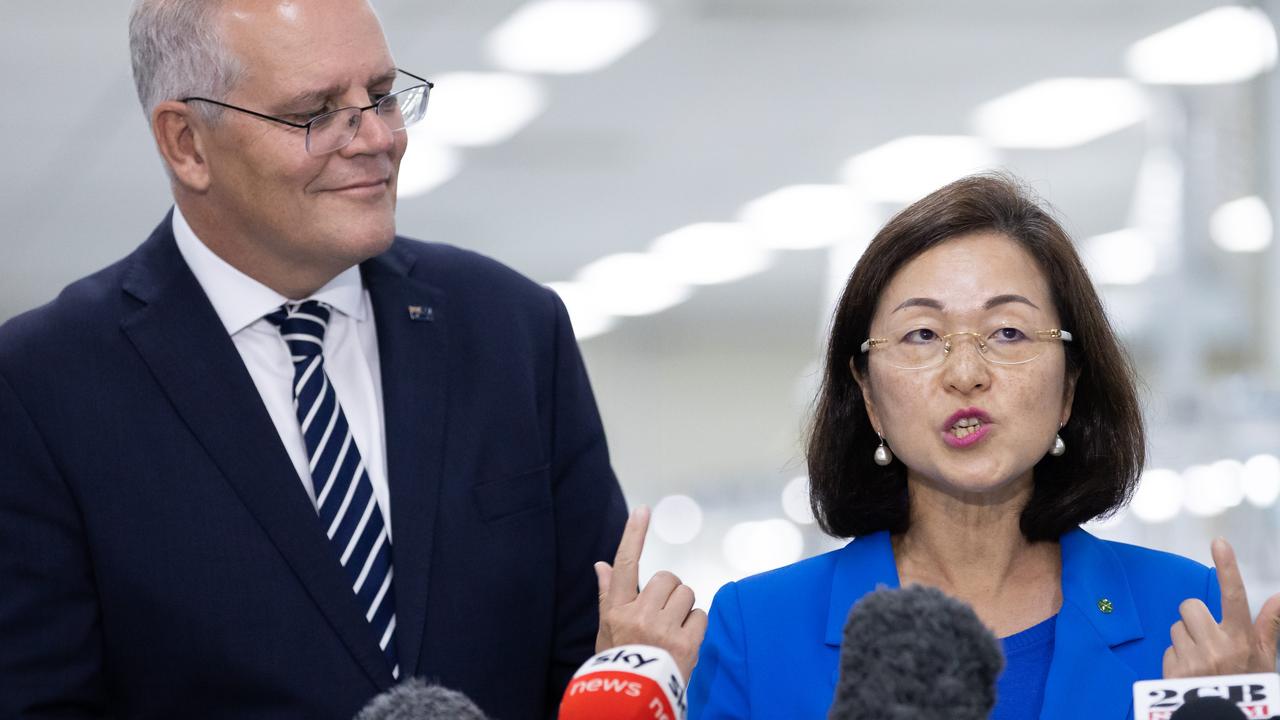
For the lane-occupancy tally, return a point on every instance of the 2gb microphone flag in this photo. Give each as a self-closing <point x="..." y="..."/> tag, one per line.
<point x="1257" y="695"/>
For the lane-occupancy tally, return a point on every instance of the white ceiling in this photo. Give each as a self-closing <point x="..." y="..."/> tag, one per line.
<point x="729" y="100"/>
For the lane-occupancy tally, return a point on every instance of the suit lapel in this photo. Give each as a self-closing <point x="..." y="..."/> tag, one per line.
<point x="863" y="566"/>
<point x="179" y="336"/>
<point x="1086" y="678"/>
<point x="411" y="319"/>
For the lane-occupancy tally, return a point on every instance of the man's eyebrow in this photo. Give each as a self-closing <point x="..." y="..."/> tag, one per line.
<point x="1003" y="299"/>
<point x="383" y="78"/>
<point x="308" y="98"/>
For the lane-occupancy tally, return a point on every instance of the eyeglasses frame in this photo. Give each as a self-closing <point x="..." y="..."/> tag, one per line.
<point x="307" y="125"/>
<point x="1048" y="335"/>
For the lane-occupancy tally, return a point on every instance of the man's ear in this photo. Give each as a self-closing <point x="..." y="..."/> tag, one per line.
<point x="180" y="139"/>
<point x="863" y="384"/>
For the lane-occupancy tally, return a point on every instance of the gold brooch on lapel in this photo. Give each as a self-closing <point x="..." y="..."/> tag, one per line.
<point x="1105" y="606"/>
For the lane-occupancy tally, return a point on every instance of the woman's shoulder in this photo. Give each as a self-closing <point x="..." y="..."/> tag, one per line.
<point x="856" y="568"/>
<point x="1153" y="575"/>
<point x="803" y="572"/>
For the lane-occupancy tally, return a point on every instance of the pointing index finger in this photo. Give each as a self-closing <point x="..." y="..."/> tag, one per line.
<point x="1235" y="602"/>
<point x="625" y="585"/>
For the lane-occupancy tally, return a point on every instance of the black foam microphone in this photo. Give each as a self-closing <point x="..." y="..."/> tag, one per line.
<point x="1208" y="708"/>
<point x="416" y="700"/>
<point x="916" y="654"/>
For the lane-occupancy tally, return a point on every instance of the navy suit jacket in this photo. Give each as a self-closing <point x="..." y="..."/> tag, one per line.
<point x="159" y="558"/>
<point x="772" y="648"/>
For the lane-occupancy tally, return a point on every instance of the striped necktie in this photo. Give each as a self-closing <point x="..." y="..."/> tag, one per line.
<point x="345" y="502"/>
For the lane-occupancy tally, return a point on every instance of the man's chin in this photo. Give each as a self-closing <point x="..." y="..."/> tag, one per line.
<point x="372" y="244"/>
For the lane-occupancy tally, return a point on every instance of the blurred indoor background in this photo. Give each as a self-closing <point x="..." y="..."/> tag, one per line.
<point x="698" y="177"/>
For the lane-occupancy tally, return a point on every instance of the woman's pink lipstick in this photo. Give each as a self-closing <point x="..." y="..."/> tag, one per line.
<point x="974" y="435"/>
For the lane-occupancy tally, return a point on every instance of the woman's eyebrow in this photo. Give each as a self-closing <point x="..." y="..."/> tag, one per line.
<point x="993" y="302"/>
<point x="1003" y="299"/>
<point x="919" y="302"/>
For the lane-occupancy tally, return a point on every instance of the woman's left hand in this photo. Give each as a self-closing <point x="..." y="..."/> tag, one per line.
<point x="1239" y="644"/>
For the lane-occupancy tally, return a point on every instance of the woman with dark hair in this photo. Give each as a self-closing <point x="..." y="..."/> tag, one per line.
<point x="975" y="409"/>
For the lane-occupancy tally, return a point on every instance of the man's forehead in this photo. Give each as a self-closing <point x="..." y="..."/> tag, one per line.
<point x="320" y="91"/>
<point x="307" y="47"/>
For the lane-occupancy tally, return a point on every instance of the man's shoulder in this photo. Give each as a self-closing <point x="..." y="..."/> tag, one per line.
<point x="448" y="266"/>
<point x="92" y="305"/>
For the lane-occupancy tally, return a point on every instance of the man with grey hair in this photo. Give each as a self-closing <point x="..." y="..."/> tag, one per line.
<point x="278" y="457"/>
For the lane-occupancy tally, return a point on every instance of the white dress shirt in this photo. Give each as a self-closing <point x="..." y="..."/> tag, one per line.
<point x="350" y="354"/>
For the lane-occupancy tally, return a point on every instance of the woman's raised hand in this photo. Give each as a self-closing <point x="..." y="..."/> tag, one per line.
<point x="1239" y="644"/>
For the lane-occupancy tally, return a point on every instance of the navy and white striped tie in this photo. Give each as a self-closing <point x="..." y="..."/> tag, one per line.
<point x="345" y="502"/>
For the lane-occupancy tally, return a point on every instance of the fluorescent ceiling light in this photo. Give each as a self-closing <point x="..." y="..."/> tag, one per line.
<point x="426" y="165"/>
<point x="570" y="36"/>
<point x="1242" y="225"/>
<point x="710" y="253"/>
<point x="1156" y="207"/>
<point x="800" y="217"/>
<point x="752" y="547"/>
<point x="1261" y="478"/>
<point x="1123" y="257"/>
<point x="908" y="168"/>
<point x="1228" y="484"/>
<point x="795" y="501"/>
<point x="588" y="320"/>
<point x="481" y="108"/>
<point x="1202" y="497"/>
<point x="1226" y="44"/>
<point x="1060" y="113"/>
<point x="630" y="284"/>
<point x="1158" y="497"/>
<point x="677" y="519"/>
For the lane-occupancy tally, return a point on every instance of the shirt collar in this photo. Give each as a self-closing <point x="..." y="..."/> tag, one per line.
<point x="239" y="300"/>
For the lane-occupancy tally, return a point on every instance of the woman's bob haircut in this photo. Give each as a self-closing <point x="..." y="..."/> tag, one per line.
<point x="852" y="496"/>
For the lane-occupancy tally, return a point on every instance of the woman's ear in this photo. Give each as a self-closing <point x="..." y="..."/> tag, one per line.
<point x="868" y="401"/>
<point x="1068" y="395"/>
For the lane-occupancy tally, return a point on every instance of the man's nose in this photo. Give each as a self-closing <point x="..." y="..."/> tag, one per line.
<point x="372" y="137"/>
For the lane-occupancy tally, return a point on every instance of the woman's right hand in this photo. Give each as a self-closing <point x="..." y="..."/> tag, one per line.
<point x="1239" y="644"/>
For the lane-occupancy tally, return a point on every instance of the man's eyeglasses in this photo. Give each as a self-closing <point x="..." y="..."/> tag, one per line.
<point x="334" y="130"/>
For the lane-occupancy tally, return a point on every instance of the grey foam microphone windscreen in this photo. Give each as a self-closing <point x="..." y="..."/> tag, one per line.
<point x="416" y="700"/>
<point x="916" y="654"/>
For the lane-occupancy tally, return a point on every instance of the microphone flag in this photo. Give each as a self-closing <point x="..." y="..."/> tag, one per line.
<point x="1257" y="695"/>
<point x="629" y="681"/>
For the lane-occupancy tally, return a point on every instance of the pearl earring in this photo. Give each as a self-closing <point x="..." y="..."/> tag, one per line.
<point x="882" y="455"/>
<point x="1059" y="447"/>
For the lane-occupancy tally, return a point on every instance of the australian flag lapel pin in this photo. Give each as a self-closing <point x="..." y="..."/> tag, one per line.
<point x="422" y="313"/>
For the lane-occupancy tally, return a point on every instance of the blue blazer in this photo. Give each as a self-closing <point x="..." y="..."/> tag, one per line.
<point x="773" y="644"/>
<point x="159" y="559"/>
